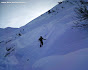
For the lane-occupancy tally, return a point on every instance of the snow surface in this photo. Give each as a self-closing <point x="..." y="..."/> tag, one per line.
<point x="65" y="47"/>
<point x="73" y="61"/>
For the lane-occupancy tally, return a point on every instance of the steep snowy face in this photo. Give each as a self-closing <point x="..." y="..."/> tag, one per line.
<point x="6" y="31"/>
<point x="21" y="49"/>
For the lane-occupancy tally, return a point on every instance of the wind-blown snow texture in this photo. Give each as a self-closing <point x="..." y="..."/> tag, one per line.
<point x="65" y="47"/>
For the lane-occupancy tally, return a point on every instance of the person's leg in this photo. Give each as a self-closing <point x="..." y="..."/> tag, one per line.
<point x="40" y="45"/>
<point x="42" y="42"/>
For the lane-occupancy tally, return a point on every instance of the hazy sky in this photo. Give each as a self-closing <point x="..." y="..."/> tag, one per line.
<point x="17" y="14"/>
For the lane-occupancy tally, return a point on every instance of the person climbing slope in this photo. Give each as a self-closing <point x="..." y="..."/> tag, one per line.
<point x="41" y="41"/>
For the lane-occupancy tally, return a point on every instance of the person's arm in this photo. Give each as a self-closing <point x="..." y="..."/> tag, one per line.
<point x="44" y="39"/>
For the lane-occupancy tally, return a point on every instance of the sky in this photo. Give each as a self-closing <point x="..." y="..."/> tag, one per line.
<point x="19" y="14"/>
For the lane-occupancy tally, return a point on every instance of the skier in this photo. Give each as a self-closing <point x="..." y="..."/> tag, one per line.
<point x="41" y="41"/>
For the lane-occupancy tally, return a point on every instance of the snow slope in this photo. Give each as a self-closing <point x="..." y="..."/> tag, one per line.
<point x="64" y="44"/>
<point x="6" y="31"/>
<point x="73" y="61"/>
